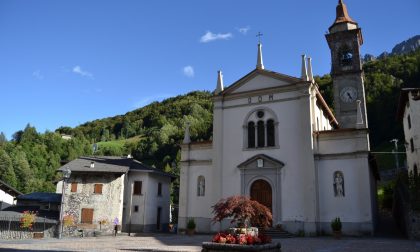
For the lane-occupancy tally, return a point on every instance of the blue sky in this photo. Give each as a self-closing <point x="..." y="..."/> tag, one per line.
<point x="67" y="62"/>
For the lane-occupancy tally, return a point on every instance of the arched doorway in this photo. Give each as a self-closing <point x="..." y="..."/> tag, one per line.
<point x="261" y="192"/>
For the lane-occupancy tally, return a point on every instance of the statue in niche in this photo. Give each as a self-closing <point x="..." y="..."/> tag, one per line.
<point x="338" y="184"/>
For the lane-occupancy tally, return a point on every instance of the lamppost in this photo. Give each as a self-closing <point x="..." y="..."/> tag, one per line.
<point x="397" y="163"/>
<point x="66" y="176"/>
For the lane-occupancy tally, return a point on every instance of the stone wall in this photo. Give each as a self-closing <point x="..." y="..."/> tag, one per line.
<point x="106" y="206"/>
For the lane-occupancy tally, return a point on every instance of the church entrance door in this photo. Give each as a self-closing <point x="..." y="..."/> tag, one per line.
<point x="261" y="192"/>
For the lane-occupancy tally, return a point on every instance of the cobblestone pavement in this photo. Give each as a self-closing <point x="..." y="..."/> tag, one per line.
<point x="161" y="242"/>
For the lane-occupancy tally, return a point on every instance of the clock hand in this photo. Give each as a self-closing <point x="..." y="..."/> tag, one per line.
<point x="349" y="95"/>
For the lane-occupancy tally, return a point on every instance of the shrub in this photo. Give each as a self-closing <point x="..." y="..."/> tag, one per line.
<point x="336" y="224"/>
<point x="191" y="224"/>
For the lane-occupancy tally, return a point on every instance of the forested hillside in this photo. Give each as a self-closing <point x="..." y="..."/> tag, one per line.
<point x="152" y="134"/>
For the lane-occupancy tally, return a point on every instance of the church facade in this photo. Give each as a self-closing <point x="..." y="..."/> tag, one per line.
<point x="276" y="140"/>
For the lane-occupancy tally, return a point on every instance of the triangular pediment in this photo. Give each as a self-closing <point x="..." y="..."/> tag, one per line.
<point x="261" y="161"/>
<point x="260" y="79"/>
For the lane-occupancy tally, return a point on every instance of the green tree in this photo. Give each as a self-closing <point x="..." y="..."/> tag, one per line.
<point x="7" y="173"/>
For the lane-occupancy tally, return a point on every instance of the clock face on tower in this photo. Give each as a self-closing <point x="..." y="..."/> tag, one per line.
<point x="348" y="94"/>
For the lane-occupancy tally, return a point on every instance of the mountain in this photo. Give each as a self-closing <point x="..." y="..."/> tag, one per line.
<point x="407" y="46"/>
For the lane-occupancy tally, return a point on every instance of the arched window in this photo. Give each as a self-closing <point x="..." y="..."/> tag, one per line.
<point x="201" y="186"/>
<point x="251" y="135"/>
<point x="261" y="134"/>
<point x="270" y="133"/>
<point x="260" y="129"/>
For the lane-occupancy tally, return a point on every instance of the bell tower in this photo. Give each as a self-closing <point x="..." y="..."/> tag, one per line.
<point x="344" y="40"/>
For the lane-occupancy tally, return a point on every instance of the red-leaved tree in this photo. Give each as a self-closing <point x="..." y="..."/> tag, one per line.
<point x="243" y="210"/>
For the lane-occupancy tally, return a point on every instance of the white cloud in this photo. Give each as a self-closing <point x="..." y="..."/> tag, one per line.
<point x="209" y="37"/>
<point x="188" y="71"/>
<point x="244" y="30"/>
<point x="149" y="99"/>
<point x="37" y="74"/>
<point x="80" y="71"/>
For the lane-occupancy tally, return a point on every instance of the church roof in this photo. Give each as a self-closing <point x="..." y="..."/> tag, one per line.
<point x="342" y="16"/>
<point x="256" y="72"/>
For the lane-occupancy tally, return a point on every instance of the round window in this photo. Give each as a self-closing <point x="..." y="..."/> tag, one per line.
<point x="260" y="114"/>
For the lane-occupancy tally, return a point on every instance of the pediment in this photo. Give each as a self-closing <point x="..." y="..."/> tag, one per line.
<point x="260" y="79"/>
<point x="261" y="161"/>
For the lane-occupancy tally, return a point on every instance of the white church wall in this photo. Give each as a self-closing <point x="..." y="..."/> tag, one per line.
<point x="190" y="204"/>
<point x="355" y="207"/>
<point x="294" y="141"/>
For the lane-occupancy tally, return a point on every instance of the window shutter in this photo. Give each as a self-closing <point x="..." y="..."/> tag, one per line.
<point x="74" y="187"/>
<point x="98" y="189"/>
<point x="87" y="215"/>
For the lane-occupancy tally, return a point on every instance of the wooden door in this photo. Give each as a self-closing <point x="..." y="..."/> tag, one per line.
<point x="87" y="215"/>
<point x="261" y="192"/>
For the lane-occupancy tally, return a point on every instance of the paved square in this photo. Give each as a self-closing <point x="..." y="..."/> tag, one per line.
<point x="167" y="242"/>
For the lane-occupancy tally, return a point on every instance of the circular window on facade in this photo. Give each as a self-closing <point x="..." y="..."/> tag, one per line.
<point x="260" y="114"/>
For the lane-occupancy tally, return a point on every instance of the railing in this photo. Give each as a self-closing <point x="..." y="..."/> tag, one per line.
<point x="10" y="228"/>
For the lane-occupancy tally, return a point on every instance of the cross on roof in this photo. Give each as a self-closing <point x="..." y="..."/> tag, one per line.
<point x="259" y="35"/>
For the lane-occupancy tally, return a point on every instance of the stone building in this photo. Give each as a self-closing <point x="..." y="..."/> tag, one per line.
<point x="409" y="113"/>
<point x="103" y="189"/>
<point x="276" y="140"/>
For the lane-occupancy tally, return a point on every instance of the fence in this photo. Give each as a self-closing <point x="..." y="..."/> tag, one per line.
<point x="42" y="227"/>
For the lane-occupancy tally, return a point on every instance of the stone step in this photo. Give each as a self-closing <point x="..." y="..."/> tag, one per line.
<point x="277" y="233"/>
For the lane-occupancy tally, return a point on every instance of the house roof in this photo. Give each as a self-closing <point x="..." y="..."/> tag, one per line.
<point x="41" y="197"/>
<point x="403" y="101"/>
<point x="13" y="212"/>
<point x="111" y="164"/>
<point x="9" y="189"/>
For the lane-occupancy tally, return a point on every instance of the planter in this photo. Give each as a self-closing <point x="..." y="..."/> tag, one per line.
<point x="212" y="247"/>
<point x="190" y="231"/>
<point x="337" y="234"/>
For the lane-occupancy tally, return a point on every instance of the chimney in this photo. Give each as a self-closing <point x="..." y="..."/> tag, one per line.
<point x="92" y="164"/>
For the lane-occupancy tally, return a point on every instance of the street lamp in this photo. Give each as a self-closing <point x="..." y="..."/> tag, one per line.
<point x="66" y="176"/>
<point x="397" y="163"/>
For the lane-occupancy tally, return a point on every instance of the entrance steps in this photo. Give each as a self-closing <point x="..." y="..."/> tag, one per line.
<point x="277" y="233"/>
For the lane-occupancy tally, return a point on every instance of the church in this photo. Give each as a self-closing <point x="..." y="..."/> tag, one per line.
<point x="276" y="140"/>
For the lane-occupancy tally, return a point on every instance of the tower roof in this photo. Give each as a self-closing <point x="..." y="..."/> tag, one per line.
<point x="342" y="16"/>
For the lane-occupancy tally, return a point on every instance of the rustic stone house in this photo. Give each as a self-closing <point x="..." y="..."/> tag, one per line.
<point x="103" y="189"/>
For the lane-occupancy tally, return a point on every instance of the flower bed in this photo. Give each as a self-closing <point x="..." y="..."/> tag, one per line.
<point x="242" y="239"/>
